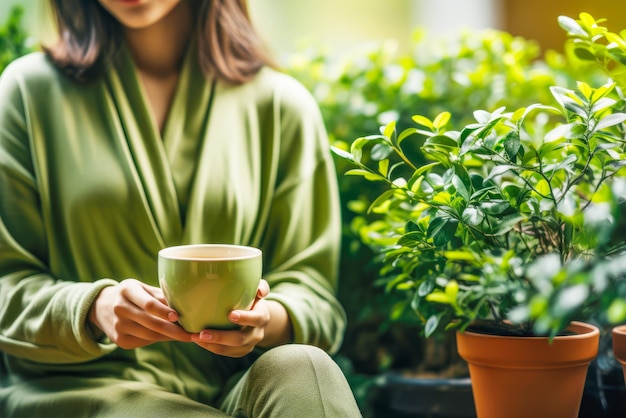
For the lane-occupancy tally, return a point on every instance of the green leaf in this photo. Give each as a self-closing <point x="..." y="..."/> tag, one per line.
<point x="386" y="195"/>
<point x="617" y="39"/>
<point x="438" y="297"/>
<point x="566" y="164"/>
<point x="460" y="187"/>
<point x="342" y="154"/>
<point x="584" y="54"/>
<point x="442" y="230"/>
<point x="472" y="216"/>
<point x="381" y="151"/>
<point x="588" y="21"/>
<point x="507" y="223"/>
<point x="396" y="281"/>
<point x="482" y="116"/>
<point x="571" y="26"/>
<point x="459" y="256"/>
<point x="610" y="120"/>
<point x="441" y="120"/>
<point x="499" y="170"/>
<point x="368" y="175"/>
<point x="603" y="90"/>
<point x="421" y="170"/>
<point x="412" y="239"/>
<point x="390" y="129"/>
<point x="585" y="89"/>
<point x="466" y="133"/>
<point x="435" y="180"/>
<point x="431" y="325"/>
<point x="601" y="104"/>
<point x="442" y="198"/>
<point x="441" y="140"/>
<point x="356" y="148"/>
<point x="495" y="206"/>
<point x="538" y="106"/>
<point x="424" y="121"/>
<point x="512" y="144"/>
<point x="405" y="134"/>
<point x="568" y="131"/>
<point x="411" y="226"/>
<point x="566" y="99"/>
<point x="425" y="288"/>
<point x="383" y="167"/>
<point x="452" y="291"/>
<point x="518" y="114"/>
<point x="393" y="168"/>
<point x="417" y="174"/>
<point x="464" y="175"/>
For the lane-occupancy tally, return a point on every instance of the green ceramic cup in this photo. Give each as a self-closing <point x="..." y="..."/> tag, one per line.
<point x="204" y="282"/>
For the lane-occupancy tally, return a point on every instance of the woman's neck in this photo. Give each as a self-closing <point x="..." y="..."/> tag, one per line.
<point x="159" y="49"/>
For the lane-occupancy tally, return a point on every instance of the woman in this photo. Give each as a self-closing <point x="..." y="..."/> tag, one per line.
<point x="155" y="123"/>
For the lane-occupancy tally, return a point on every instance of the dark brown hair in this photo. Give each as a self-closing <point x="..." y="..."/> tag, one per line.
<point x="89" y="37"/>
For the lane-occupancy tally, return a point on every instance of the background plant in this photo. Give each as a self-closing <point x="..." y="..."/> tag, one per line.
<point x="377" y="84"/>
<point x="14" y="40"/>
<point x="514" y="217"/>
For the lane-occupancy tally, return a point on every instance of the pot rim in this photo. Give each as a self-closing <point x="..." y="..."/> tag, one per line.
<point x="619" y="329"/>
<point x="531" y="352"/>
<point x="581" y="329"/>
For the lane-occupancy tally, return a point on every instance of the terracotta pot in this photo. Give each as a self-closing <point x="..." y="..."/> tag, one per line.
<point x="619" y="345"/>
<point x="522" y="377"/>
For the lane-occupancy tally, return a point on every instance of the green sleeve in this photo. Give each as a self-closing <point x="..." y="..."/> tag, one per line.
<point x="303" y="230"/>
<point x="42" y="317"/>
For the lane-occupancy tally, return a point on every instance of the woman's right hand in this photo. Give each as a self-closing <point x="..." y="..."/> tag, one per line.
<point x="133" y="314"/>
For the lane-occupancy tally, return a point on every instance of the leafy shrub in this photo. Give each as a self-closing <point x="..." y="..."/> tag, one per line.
<point x="377" y="84"/>
<point x="514" y="218"/>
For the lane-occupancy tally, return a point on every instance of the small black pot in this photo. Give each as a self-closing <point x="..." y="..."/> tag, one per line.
<point x="401" y="396"/>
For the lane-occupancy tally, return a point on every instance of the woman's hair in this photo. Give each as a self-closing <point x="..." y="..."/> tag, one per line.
<point x="89" y="37"/>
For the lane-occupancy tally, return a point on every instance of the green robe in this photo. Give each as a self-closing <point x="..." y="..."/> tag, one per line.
<point x="90" y="191"/>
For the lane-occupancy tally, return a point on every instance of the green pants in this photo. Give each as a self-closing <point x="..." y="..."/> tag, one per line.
<point x="289" y="381"/>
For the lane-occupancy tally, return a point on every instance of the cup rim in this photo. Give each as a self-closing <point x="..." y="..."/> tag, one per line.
<point x="169" y="253"/>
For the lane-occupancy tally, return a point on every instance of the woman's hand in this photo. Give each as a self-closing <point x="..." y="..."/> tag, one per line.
<point x="133" y="314"/>
<point x="238" y="343"/>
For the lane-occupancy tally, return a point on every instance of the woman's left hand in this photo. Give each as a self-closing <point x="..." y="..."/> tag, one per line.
<point x="238" y="343"/>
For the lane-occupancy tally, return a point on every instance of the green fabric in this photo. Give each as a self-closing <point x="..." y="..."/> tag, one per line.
<point x="90" y="191"/>
<point x="314" y="382"/>
<point x="303" y="374"/>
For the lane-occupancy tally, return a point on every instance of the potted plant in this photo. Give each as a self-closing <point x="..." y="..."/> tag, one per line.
<point x="508" y="231"/>
<point x="383" y="353"/>
<point x="392" y="368"/>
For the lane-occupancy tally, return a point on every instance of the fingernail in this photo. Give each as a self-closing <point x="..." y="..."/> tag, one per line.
<point x="172" y="316"/>
<point x="205" y="336"/>
<point x="234" y="316"/>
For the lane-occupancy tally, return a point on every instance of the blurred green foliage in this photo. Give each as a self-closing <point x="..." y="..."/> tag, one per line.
<point x="14" y="39"/>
